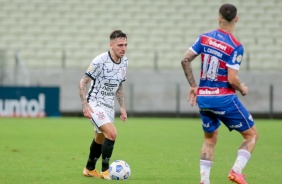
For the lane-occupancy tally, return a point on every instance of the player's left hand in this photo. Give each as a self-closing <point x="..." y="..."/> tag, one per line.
<point x="192" y="98"/>
<point x="123" y="115"/>
<point x="245" y="89"/>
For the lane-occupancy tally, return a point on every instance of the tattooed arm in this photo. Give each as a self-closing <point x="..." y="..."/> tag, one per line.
<point x="87" y="110"/>
<point x="187" y="68"/>
<point x="120" y="99"/>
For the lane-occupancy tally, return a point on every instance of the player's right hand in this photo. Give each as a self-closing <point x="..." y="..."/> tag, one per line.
<point x="193" y="96"/>
<point x="87" y="111"/>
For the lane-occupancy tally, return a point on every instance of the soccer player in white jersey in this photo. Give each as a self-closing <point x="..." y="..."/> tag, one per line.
<point x="106" y="73"/>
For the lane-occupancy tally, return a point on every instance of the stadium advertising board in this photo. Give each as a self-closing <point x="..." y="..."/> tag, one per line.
<point x="29" y="101"/>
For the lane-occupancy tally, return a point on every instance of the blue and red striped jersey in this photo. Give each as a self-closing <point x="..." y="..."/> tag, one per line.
<point x="219" y="50"/>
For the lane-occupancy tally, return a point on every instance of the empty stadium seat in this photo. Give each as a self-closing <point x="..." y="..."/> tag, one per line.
<point x="164" y="28"/>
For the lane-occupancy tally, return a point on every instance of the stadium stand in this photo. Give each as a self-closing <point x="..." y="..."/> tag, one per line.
<point x="159" y="31"/>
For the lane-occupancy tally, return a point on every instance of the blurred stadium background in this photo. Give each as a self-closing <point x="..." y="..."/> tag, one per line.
<point x="51" y="43"/>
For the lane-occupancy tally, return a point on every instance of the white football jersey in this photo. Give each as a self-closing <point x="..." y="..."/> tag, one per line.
<point x="106" y="77"/>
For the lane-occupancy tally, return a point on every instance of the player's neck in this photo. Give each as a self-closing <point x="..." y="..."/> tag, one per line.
<point x="114" y="57"/>
<point x="228" y="29"/>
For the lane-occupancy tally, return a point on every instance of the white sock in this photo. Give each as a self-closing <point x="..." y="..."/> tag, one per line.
<point x="243" y="157"/>
<point x="205" y="168"/>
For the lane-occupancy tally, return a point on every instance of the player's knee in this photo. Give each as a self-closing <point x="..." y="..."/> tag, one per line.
<point x="251" y="135"/>
<point x="111" y="135"/>
<point x="254" y="134"/>
<point x="210" y="142"/>
<point x="252" y="138"/>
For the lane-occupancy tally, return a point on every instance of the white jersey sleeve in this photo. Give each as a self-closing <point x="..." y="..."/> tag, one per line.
<point x="95" y="68"/>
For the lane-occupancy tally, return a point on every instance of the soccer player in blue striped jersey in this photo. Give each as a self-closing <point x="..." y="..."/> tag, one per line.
<point x="106" y="73"/>
<point x="221" y="57"/>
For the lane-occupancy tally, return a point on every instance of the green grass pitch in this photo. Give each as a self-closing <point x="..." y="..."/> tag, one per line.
<point x="158" y="150"/>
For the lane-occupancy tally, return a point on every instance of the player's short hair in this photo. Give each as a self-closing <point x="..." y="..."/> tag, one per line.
<point x="117" y="34"/>
<point x="228" y="11"/>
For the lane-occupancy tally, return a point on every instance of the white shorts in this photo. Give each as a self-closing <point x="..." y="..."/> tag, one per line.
<point x="101" y="116"/>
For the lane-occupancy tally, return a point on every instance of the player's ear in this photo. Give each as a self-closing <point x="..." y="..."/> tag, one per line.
<point x="236" y="19"/>
<point x="220" y="18"/>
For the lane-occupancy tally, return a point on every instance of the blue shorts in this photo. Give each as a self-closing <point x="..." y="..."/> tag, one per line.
<point x="227" y="109"/>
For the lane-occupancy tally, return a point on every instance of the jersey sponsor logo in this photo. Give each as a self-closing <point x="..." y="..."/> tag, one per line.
<point x="104" y="93"/>
<point x="215" y="112"/>
<point x="236" y="126"/>
<point x="100" y="104"/>
<point x="217" y="45"/>
<point x="251" y="118"/>
<point x="110" y="85"/>
<point x="108" y="89"/>
<point x="215" y="91"/>
<point x="234" y="57"/>
<point x="208" y="92"/>
<point x="206" y="125"/>
<point x="237" y="58"/>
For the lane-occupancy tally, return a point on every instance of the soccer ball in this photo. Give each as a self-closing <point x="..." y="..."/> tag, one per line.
<point x="119" y="170"/>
